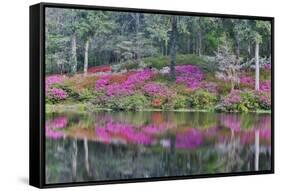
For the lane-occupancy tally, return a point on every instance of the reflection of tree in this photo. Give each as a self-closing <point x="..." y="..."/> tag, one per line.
<point x="86" y="150"/>
<point x="257" y="149"/>
<point x="231" y="159"/>
<point x="74" y="159"/>
<point x="173" y="151"/>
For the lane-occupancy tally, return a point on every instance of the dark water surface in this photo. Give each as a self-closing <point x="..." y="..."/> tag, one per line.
<point x="124" y="145"/>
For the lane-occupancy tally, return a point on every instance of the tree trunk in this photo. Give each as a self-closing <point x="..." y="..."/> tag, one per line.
<point x="166" y="47"/>
<point x="188" y="46"/>
<point x="137" y="35"/>
<point x="257" y="82"/>
<point x="86" y="55"/>
<point x="199" y="43"/>
<point x="73" y="54"/>
<point x="237" y="50"/>
<point x="173" y="51"/>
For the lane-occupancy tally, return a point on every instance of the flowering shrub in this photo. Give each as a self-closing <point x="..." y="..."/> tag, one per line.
<point x="209" y="86"/>
<point x="56" y="94"/>
<point x="124" y="88"/>
<point x="264" y="99"/>
<point x="97" y="69"/>
<point x="247" y="81"/>
<point x="267" y="66"/>
<point x="155" y="89"/>
<point x="243" y="101"/>
<point x="250" y="82"/>
<point x="190" y="75"/>
<point x="265" y="86"/>
<point x="102" y="82"/>
<point x="51" y="80"/>
<point x="157" y="102"/>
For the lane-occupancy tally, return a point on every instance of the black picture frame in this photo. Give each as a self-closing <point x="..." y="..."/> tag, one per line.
<point x="37" y="95"/>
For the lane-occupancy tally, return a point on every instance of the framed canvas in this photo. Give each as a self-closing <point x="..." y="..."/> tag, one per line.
<point x="123" y="95"/>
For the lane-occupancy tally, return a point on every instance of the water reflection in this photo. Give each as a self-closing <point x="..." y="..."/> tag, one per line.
<point x="110" y="146"/>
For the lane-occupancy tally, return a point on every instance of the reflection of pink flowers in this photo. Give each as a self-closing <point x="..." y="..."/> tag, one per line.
<point x="153" y="129"/>
<point x="231" y="121"/>
<point x="124" y="130"/>
<point x="103" y="135"/>
<point x="133" y="134"/>
<point x="190" y="139"/>
<point x="59" y="122"/>
<point x="52" y="126"/>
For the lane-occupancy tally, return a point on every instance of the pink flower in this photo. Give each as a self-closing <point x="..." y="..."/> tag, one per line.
<point x="57" y="93"/>
<point x="155" y="89"/>
<point x="190" y="75"/>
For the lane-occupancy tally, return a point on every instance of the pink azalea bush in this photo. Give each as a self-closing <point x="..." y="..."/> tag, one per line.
<point x="233" y="98"/>
<point x="190" y="75"/>
<point x="155" y="89"/>
<point x="124" y="88"/>
<point x="250" y="81"/>
<point x="53" y="93"/>
<point x="56" y="94"/>
<point x="267" y="66"/>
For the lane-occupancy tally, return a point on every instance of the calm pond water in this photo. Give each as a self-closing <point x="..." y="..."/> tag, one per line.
<point x="124" y="145"/>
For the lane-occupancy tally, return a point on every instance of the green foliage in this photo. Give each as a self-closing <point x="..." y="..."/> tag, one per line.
<point x="134" y="102"/>
<point x="159" y="62"/>
<point x="86" y="95"/>
<point x="180" y="102"/>
<point x="201" y="99"/>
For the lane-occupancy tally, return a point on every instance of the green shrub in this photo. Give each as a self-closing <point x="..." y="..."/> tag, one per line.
<point x="202" y="100"/>
<point x="129" y="65"/>
<point x="134" y="102"/>
<point x="161" y="61"/>
<point x="189" y="59"/>
<point x="86" y="95"/>
<point x="179" y="102"/>
<point x="157" y="61"/>
<point x="223" y="87"/>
